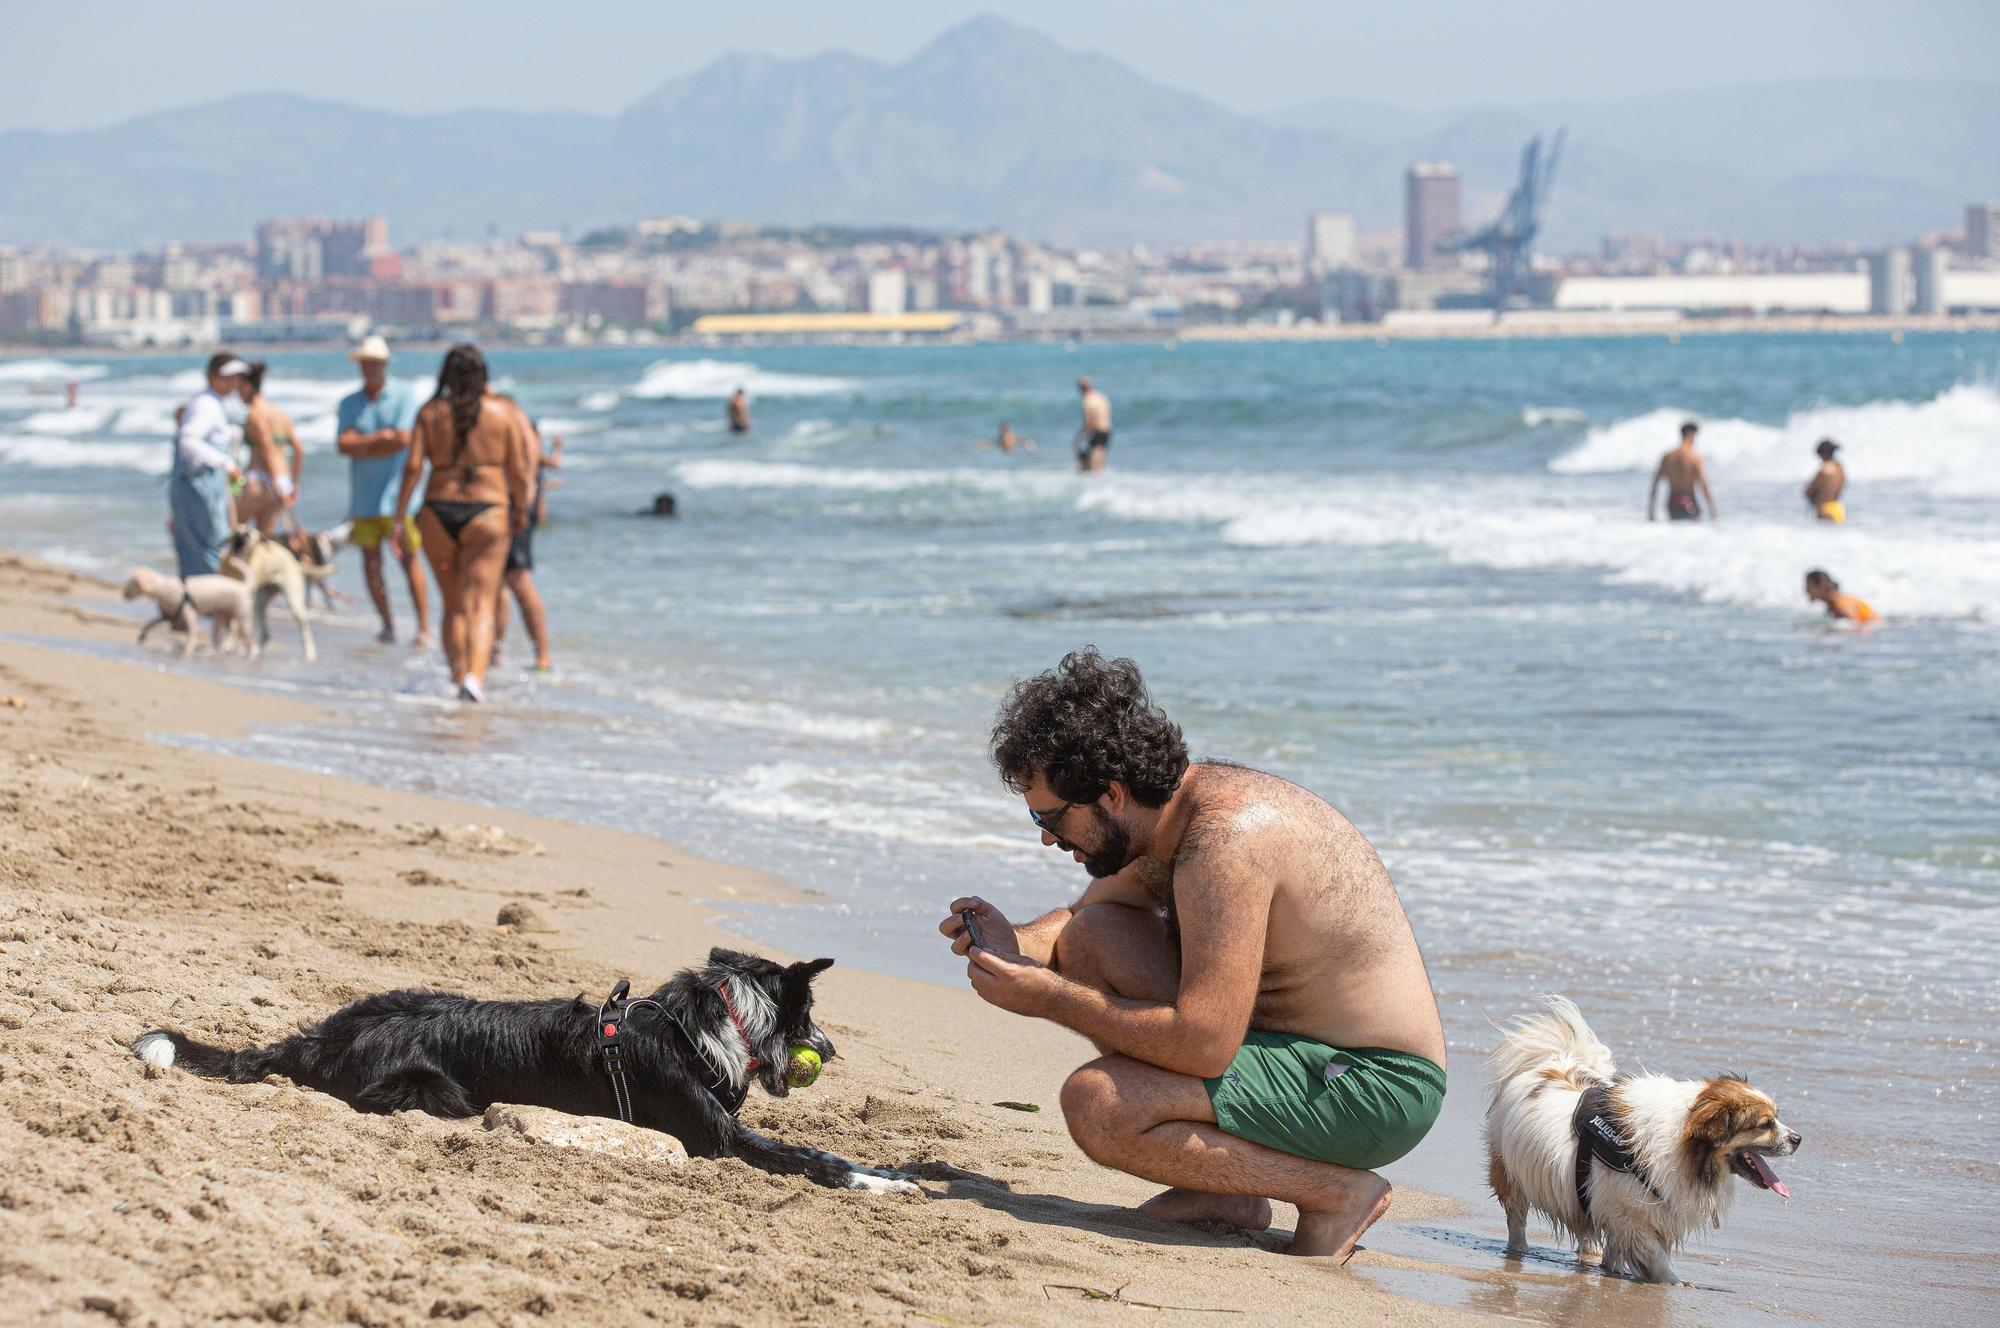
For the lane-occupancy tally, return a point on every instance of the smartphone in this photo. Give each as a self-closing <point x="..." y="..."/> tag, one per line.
<point x="965" y="916"/>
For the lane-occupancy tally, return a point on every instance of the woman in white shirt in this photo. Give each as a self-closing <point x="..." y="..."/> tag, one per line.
<point x="198" y="489"/>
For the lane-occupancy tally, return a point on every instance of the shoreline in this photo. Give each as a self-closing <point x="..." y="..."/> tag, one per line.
<point x="1539" y="325"/>
<point x="162" y="884"/>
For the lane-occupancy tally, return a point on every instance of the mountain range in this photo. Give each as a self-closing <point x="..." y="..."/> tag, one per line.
<point x="994" y="125"/>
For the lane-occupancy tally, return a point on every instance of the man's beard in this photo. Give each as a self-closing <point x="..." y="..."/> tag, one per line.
<point x="1115" y="853"/>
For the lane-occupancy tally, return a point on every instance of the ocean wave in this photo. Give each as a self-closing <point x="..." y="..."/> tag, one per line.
<point x="717" y="379"/>
<point x="603" y="400"/>
<point x="1520" y="526"/>
<point x="49" y="371"/>
<point x="68" y="423"/>
<point x="776" y="716"/>
<point x="1950" y="442"/>
<point x="49" y="453"/>
<point x="1536" y="416"/>
<point x="723" y="474"/>
<point x="802" y="794"/>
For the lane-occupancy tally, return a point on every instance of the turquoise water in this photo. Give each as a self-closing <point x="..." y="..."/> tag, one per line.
<point x="1625" y="761"/>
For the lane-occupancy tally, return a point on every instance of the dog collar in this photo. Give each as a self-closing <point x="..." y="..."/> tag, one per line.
<point x="1597" y="1137"/>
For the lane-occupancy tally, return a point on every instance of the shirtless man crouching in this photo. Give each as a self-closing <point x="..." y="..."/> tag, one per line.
<point x="1240" y="958"/>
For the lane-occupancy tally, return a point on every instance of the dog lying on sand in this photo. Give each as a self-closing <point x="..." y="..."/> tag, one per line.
<point x="1635" y="1165"/>
<point x="223" y="600"/>
<point x="685" y="1058"/>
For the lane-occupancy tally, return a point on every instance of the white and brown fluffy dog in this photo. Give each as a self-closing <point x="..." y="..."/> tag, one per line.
<point x="225" y="601"/>
<point x="1631" y="1165"/>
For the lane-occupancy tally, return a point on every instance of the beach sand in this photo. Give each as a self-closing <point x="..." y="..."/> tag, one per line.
<point x="148" y="884"/>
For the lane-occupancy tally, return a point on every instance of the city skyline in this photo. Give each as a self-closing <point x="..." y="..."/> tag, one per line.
<point x="1271" y="57"/>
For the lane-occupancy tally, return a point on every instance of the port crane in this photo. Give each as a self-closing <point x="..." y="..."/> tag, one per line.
<point x="1509" y="239"/>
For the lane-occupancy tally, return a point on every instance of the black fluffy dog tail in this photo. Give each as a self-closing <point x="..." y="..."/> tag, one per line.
<point x="168" y="1049"/>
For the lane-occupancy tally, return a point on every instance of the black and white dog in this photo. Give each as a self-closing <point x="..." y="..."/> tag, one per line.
<point x="680" y="1060"/>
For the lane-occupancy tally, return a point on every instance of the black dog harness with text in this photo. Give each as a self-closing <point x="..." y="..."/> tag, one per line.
<point x="1597" y="1137"/>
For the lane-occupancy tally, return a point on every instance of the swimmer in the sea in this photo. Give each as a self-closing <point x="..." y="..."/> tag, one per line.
<point x="1007" y="441"/>
<point x="1825" y="590"/>
<point x="1823" y="491"/>
<point x="1682" y="471"/>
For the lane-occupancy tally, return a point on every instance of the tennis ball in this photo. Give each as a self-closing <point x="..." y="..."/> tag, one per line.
<point x="802" y="1068"/>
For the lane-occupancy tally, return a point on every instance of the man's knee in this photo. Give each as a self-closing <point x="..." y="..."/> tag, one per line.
<point x="1093" y="934"/>
<point x="1092" y="1108"/>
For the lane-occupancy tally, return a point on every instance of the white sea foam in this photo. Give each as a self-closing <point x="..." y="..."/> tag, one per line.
<point x="717" y="379"/>
<point x="68" y="423"/>
<point x="47" y="453"/>
<point x="597" y="401"/>
<point x="925" y="810"/>
<point x="49" y="371"/>
<point x="1521" y="526"/>
<point x="776" y="716"/>
<point x="725" y="474"/>
<point x="1950" y="444"/>
<point x="1536" y="416"/>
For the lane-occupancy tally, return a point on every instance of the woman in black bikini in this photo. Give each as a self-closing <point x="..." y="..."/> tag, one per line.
<point x="478" y="472"/>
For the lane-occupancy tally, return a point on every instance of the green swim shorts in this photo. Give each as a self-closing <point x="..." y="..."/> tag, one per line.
<point x="1362" y="1108"/>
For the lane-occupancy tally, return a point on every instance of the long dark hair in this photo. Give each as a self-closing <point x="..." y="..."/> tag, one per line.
<point x="254" y="375"/>
<point x="462" y="381"/>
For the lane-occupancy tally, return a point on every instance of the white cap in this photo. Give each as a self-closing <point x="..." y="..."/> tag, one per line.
<point x="233" y="369"/>
<point x="371" y="348"/>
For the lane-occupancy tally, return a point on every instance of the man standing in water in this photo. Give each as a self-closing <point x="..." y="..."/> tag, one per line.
<point x="1681" y="469"/>
<point x="1824" y="489"/>
<point x="1240" y="958"/>
<point x="1093" y="440"/>
<point x="739" y="412"/>
<point x="373" y="433"/>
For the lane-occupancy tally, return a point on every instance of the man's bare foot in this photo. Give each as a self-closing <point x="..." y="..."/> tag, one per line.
<point x="386" y="637"/>
<point x="1336" y="1231"/>
<point x="1237" y="1210"/>
<point x="423" y="641"/>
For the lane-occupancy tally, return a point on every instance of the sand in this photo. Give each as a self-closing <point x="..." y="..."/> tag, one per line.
<point x="143" y="884"/>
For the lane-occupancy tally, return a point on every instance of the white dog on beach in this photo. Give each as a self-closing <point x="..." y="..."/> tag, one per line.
<point x="224" y="600"/>
<point x="1632" y="1165"/>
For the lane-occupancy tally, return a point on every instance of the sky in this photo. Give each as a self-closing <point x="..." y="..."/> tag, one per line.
<point x="91" y="62"/>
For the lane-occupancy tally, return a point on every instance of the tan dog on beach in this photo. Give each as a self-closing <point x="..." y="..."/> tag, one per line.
<point x="223" y="600"/>
<point x="270" y="567"/>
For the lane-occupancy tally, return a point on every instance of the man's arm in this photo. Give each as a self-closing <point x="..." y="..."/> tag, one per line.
<point x="198" y="421"/>
<point x="1653" y="489"/>
<point x="382" y="442"/>
<point x="1707" y="498"/>
<point x="1224" y="912"/>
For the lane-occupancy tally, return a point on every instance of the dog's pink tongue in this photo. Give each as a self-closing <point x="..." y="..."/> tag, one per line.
<point x="1769" y="1177"/>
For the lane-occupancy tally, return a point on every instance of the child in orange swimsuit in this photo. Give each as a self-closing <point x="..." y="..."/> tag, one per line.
<point x="1823" y="588"/>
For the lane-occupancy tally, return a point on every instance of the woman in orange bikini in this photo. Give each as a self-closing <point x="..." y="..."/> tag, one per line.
<point x="478" y="475"/>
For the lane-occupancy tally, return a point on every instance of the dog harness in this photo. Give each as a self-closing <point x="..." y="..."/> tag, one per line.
<point x="1597" y="1137"/>
<point x="610" y="1036"/>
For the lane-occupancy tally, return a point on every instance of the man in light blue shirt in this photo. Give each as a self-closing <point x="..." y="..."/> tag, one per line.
<point x="374" y="434"/>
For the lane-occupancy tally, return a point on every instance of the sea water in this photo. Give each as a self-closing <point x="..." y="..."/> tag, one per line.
<point x="1621" y="760"/>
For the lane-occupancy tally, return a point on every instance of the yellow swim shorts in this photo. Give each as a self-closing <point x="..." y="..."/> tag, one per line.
<point x="1834" y="511"/>
<point x="370" y="531"/>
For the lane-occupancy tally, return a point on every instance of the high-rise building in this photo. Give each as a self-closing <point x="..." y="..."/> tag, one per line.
<point x="1430" y="213"/>
<point x="888" y="291"/>
<point x="1329" y="242"/>
<point x="1982" y="229"/>
<point x="1889" y="282"/>
<point x="1928" y="269"/>
<point x="313" y="248"/>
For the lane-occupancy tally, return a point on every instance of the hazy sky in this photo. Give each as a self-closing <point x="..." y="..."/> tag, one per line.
<point x="89" y="62"/>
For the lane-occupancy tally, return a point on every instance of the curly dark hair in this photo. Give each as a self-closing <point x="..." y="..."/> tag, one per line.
<point x="1084" y="723"/>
